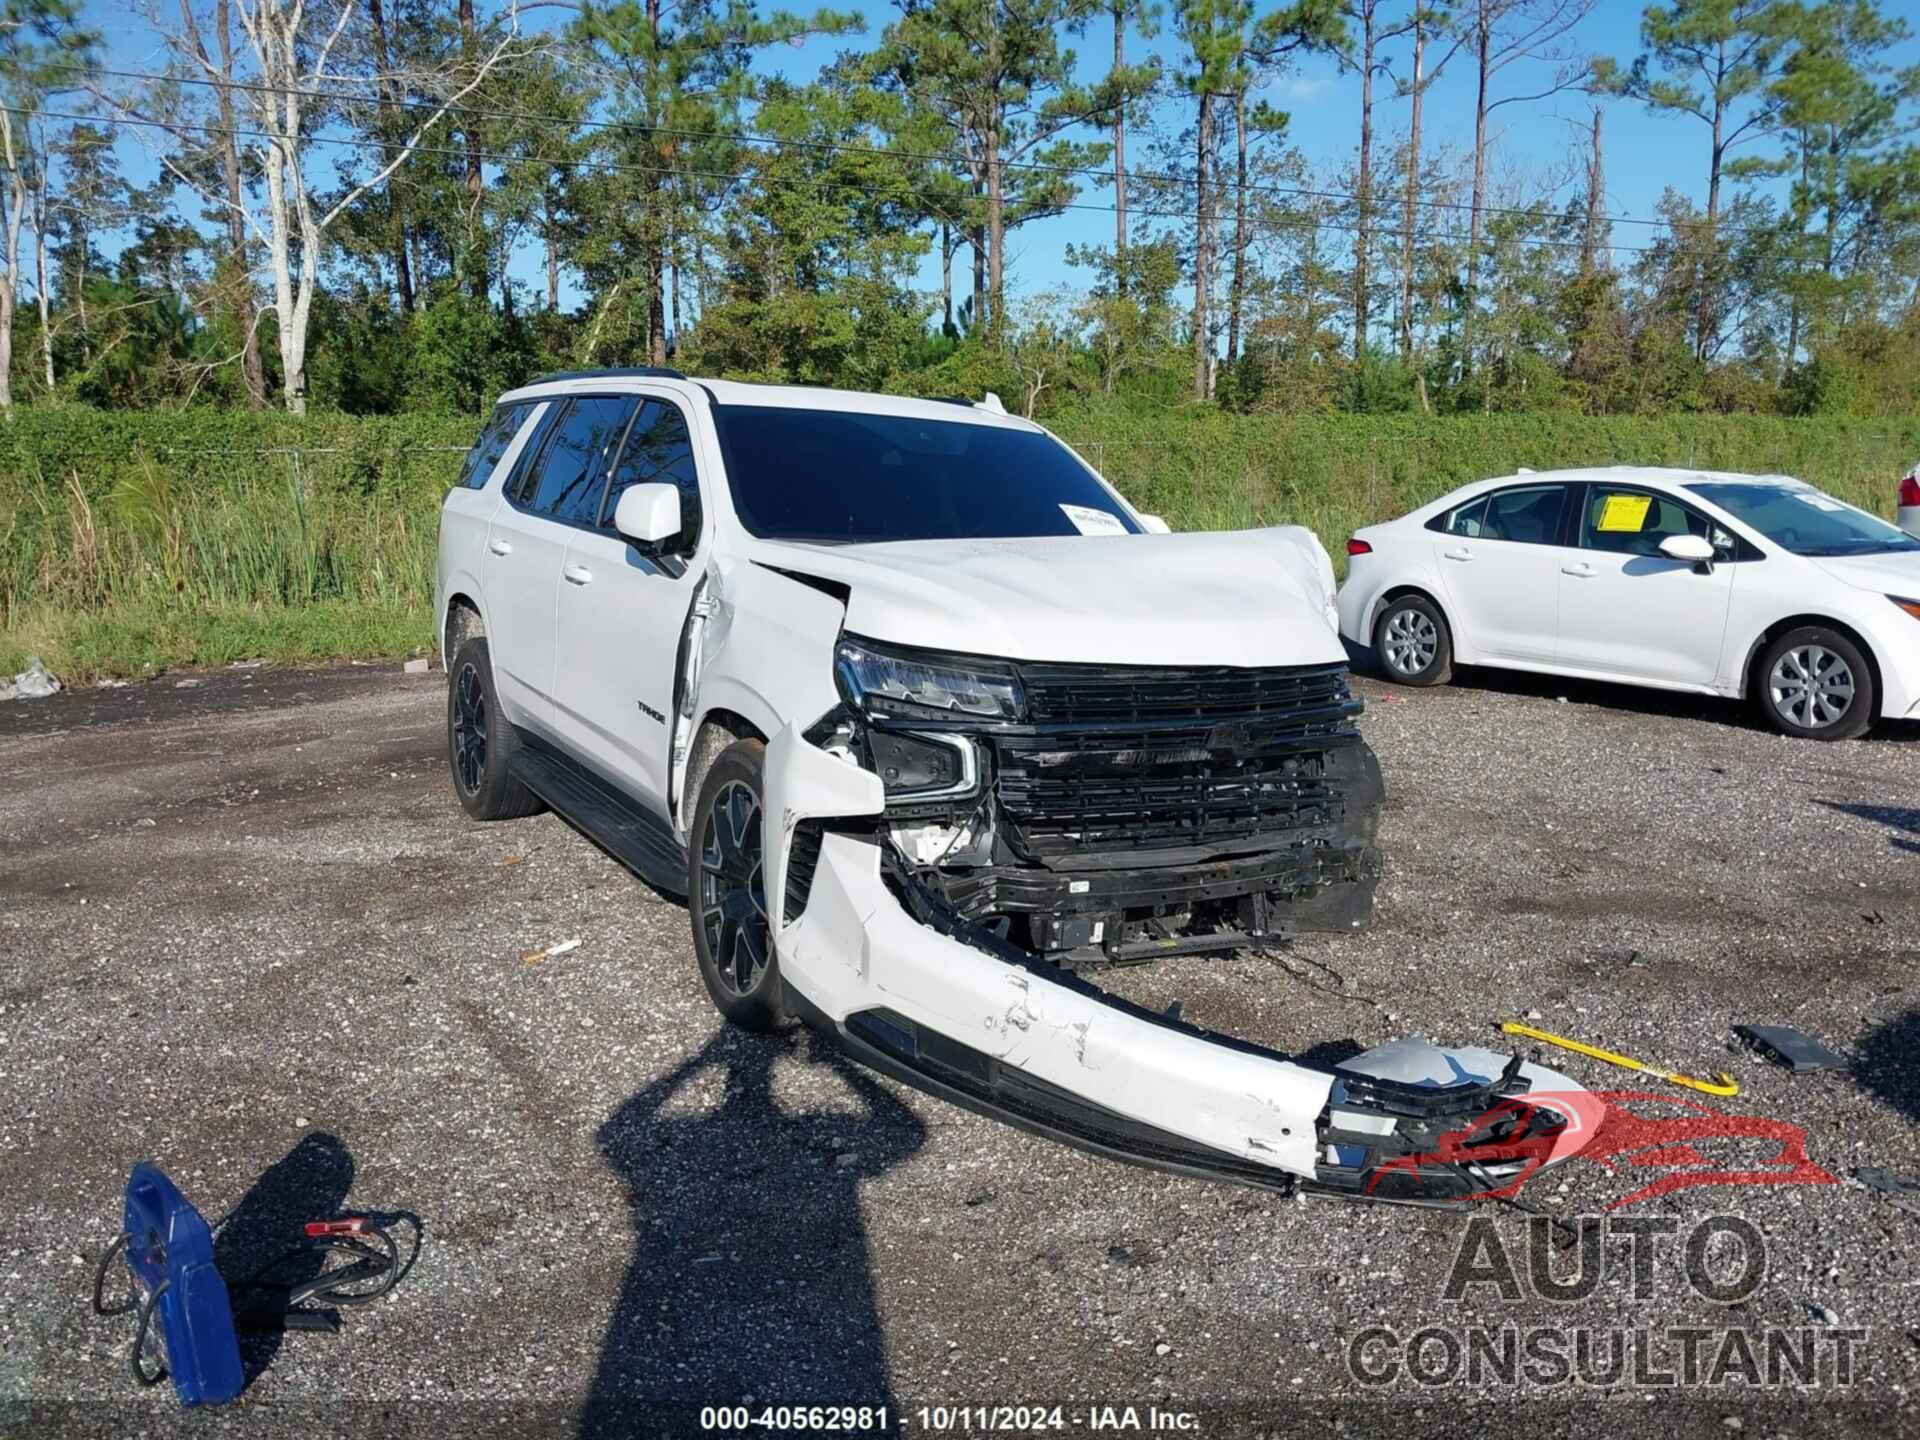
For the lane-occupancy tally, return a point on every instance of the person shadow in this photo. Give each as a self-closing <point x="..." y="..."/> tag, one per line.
<point x="310" y="1182"/>
<point x="750" y="1280"/>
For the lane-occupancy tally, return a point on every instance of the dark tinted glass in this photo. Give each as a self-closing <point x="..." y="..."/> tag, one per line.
<point x="836" y="476"/>
<point x="1462" y="520"/>
<point x="567" y="482"/>
<point x="1530" y="516"/>
<point x="492" y="444"/>
<point x="1806" y="521"/>
<point x="659" y="451"/>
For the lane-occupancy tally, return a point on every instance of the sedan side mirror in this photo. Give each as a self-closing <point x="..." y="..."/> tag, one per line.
<point x="648" y="514"/>
<point x="1154" y="525"/>
<point x="1694" y="549"/>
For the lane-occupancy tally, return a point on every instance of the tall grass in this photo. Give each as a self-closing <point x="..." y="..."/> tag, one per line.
<point x="133" y="542"/>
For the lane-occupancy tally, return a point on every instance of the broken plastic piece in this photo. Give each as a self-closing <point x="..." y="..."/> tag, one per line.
<point x="1721" y="1084"/>
<point x="1787" y="1046"/>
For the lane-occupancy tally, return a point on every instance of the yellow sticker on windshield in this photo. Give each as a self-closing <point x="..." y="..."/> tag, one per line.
<point x="1624" y="513"/>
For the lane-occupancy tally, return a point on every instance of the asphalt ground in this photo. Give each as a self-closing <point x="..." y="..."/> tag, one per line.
<point x="246" y="931"/>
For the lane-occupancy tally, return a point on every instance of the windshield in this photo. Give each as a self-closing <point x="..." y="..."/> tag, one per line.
<point x="843" y="478"/>
<point x="1805" y="520"/>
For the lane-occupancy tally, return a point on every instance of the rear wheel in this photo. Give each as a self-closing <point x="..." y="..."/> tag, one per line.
<point x="1412" y="642"/>
<point x="481" y="740"/>
<point x="1815" y="684"/>
<point x="726" y="890"/>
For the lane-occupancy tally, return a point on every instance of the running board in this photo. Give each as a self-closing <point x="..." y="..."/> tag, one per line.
<point x="631" y="834"/>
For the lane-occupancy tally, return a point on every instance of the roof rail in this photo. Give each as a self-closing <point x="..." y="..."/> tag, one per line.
<point x="629" y="372"/>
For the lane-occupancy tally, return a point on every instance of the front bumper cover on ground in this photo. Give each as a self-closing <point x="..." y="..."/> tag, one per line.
<point x="944" y="1006"/>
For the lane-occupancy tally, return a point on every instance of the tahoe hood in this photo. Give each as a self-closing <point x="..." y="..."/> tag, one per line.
<point x="1246" y="598"/>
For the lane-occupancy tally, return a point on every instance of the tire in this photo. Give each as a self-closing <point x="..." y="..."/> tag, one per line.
<point x="726" y="894"/>
<point x="1839" y="704"/>
<point x="481" y="740"/>
<point x="1411" y="642"/>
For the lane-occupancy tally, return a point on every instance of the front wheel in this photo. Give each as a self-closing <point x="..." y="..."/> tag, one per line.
<point x="1412" y="643"/>
<point x="481" y="740"/>
<point x="726" y="890"/>
<point x="1816" y="685"/>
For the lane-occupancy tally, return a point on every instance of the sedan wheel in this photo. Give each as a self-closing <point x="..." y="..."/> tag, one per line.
<point x="1412" y="643"/>
<point x="1812" y="686"/>
<point x="1815" y="683"/>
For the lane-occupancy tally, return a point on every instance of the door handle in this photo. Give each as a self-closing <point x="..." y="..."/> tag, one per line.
<point x="576" y="574"/>
<point x="1461" y="554"/>
<point x="500" y="547"/>
<point x="1582" y="571"/>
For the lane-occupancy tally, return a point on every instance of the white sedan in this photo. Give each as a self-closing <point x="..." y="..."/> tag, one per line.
<point x="1735" y="585"/>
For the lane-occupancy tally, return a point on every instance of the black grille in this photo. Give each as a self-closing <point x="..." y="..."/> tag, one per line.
<point x="803" y="858"/>
<point x="1145" y="761"/>
<point x="1070" y="694"/>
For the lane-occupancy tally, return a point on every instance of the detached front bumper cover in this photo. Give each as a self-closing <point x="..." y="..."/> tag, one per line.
<point x="917" y="990"/>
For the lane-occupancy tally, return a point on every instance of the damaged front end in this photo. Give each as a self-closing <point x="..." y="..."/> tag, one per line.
<point x="1093" y="814"/>
<point x="960" y="840"/>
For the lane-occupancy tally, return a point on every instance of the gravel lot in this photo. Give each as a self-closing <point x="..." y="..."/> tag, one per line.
<point x="248" y="933"/>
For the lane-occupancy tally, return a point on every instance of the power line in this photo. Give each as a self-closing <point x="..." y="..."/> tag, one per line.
<point x="734" y="176"/>
<point x="748" y="137"/>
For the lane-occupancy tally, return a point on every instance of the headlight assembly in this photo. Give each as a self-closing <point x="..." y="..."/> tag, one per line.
<point x="910" y="686"/>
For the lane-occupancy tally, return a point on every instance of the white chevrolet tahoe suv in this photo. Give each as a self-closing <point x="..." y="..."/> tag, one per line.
<point x="928" y="724"/>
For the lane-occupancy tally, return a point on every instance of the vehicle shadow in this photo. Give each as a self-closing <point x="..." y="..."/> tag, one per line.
<point x="750" y="1278"/>
<point x="1904" y="820"/>
<point x="1888" y="1064"/>
<point x="310" y="1182"/>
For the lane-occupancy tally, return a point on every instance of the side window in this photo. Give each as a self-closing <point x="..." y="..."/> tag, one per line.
<point x="1528" y="516"/>
<point x="1466" y="520"/>
<point x="1634" y="522"/>
<point x="494" y="439"/>
<point x="566" y="482"/>
<point x="660" y="451"/>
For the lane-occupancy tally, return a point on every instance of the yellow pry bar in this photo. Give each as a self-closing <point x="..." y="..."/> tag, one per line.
<point x="1721" y="1084"/>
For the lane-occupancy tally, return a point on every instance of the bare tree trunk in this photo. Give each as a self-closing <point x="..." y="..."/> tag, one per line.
<point x="1363" y="191"/>
<point x="946" y="278"/>
<point x="13" y="205"/>
<point x="1596" y="200"/>
<point x="40" y="262"/>
<point x="1483" y="39"/>
<point x="1237" y="290"/>
<point x="553" y="251"/>
<point x="252" y="370"/>
<point x="1202" y="251"/>
<point x="996" y="232"/>
<point x="1703" y="319"/>
<point x="476" y="177"/>
<point x="979" y="243"/>
<point x="1408" y="223"/>
<point x="396" y="208"/>
<point x="1120" y="154"/>
<point x="1793" y="300"/>
<point x="674" y="348"/>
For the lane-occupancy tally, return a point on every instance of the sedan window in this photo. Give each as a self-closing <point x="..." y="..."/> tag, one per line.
<point x="1634" y="522"/>
<point x="1464" y="520"/>
<point x="1529" y="516"/>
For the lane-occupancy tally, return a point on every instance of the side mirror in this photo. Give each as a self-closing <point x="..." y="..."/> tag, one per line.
<point x="1154" y="525"/>
<point x="648" y="514"/>
<point x="1694" y="549"/>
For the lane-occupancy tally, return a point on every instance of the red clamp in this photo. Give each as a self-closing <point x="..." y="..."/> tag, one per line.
<point x="321" y="1229"/>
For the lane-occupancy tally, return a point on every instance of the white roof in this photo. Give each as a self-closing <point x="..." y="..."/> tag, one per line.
<point x="1647" y="475"/>
<point x="788" y="397"/>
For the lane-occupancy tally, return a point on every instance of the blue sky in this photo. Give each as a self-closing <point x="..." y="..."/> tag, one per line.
<point x="1645" y="154"/>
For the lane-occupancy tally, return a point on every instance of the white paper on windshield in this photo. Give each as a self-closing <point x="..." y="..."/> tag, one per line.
<point x="1817" y="500"/>
<point x="1089" y="521"/>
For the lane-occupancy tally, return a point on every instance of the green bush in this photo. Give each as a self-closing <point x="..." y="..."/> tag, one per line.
<point x="133" y="541"/>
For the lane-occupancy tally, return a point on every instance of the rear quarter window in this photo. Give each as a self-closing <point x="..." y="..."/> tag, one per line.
<point x="494" y="439"/>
